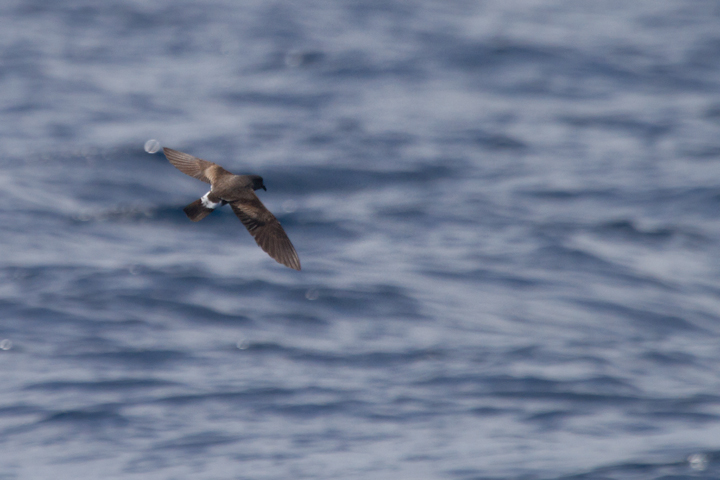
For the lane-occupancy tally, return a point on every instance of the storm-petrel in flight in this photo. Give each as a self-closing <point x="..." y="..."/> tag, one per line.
<point x="239" y="192"/>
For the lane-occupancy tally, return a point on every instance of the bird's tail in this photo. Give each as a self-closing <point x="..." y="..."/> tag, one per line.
<point x="196" y="211"/>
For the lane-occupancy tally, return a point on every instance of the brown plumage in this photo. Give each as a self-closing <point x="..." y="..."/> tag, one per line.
<point x="239" y="192"/>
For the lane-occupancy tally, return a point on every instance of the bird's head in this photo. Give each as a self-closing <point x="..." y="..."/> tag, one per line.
<point x="257" y="182"/>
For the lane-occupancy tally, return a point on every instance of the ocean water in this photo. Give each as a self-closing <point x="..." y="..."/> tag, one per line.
<point x="507" y="212"/>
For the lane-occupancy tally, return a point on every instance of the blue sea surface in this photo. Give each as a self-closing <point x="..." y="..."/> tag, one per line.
<point x="507" y="213"/>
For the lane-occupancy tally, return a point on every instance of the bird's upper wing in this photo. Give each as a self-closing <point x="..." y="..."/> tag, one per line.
<point x="193" y="166"/>
<point x="266" y="230"/>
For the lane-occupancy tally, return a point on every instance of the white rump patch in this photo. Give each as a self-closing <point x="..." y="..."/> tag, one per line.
<point x="208" y="203"/>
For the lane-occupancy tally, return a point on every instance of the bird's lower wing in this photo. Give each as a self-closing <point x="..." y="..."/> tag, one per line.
<point x="266" y="230"/>
<point x="189" y="165"/>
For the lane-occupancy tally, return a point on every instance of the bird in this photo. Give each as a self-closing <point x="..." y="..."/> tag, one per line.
<point x="239" y="192"/>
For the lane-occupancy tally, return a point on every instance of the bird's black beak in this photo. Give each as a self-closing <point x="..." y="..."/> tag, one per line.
<point x="263" y="187"/>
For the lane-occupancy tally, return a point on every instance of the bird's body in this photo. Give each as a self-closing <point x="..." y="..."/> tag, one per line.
<point x="239" y="192"/>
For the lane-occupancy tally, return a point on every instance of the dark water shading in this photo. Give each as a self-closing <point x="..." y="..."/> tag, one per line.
<point x="666" y="471"/>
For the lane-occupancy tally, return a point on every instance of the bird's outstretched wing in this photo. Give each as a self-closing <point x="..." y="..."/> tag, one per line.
<point x="193" y="166"/>
<point x="266" y="230"/>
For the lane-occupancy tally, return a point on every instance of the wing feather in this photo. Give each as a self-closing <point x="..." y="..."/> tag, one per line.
<point x="189" y="165"/>
<point x="267" y="231"/>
